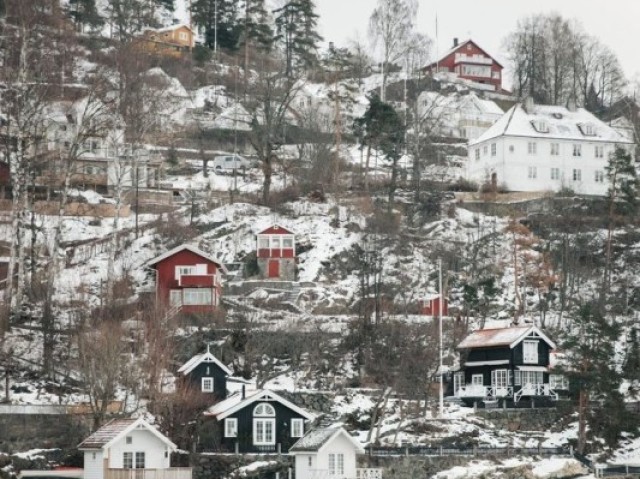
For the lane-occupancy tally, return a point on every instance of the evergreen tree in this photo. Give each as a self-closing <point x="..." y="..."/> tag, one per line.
<point x="296" y="26"/>
<point x="168" y="4"/>
<point x="219" y="20"/>
<point x="84" y="13"/>
<point x="256" y="30"/>
<point x="631" y="367"/>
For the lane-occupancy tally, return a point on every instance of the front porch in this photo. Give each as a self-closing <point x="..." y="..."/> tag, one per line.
<point x="169" y="473"/>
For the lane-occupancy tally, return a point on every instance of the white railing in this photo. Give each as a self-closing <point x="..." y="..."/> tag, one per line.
<point x="473" y="390"/>
<point x="369" y="473"/>
<point x="478" y="59"/>
<point x="169" y="473"/>
<point x="529" y="389"/>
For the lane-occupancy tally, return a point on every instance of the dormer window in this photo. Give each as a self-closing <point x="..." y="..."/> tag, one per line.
<point x="540" y="126"/>
<point x="587" y="129"/>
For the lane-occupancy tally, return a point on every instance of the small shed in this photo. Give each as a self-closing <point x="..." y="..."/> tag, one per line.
<point x="207" y="374"/>
<point x="431" y="306"/>
<point x="122" y="447"/>
<point x="276" y="253"/>
<point x="326" y="452"/>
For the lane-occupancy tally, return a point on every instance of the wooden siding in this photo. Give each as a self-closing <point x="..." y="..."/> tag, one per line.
<point x="215" y="372"/>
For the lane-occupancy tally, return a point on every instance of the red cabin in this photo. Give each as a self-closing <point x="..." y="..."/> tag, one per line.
<point x="431" y="307"/>
<point x="469" y="61"/>
<point x="276" y="252"/>
<point x="188" y="278"/>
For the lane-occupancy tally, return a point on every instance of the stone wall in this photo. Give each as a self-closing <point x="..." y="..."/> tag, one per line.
<point x="219" y="466"/>
<point x="21" y="432"/>
<point x="311" y="401"/>
<point x="413" y="466"/>
<point x="287" y="268"/>
<point x="543" y="419"/>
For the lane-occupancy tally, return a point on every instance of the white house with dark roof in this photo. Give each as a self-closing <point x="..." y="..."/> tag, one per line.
<point x="122" y="447"/>
<point x="254" y="421"/>
<point x="545" y="148"/>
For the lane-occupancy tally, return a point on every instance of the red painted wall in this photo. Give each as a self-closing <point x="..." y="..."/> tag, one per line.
<point x="166" y="273"/>
<point x="432" y="307"/>
<point x="450" y="63"/>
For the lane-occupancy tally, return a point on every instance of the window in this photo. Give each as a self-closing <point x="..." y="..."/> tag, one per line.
<point x="555" y="173"/>
<point x="599" y="151"/>
<point x="275" y="242"/>
<point x="127" y="460"/>
<point x="477" y="380"/>
<point x="587" y="129"/>
<point x="532" y="172"/>
<point x="540" y="126"/>
<point x="532" y="378"/>
<point x="532" y="147"/>
<point x="496" y="75"/>
<point x="530" y="352"/>
<point x="297" y="427"/>
<point x="517" y="378"/>
<point x="264" y="409"/>
<point x="175" y="297"/>
<point x="477" y="154"/>
<point x="310" y="461"/>
<point x="263" y="432"/>
<point x="287" y="243"/>
<point x="577" y="175"/>
<point x="499" y="378"/>
<point x="231" y="427"/>
<point x="493" y="149"/>
<point x="182" y="35"/>
<point x="140" y="460"/>
<point x="197" y="296"/>
<point x="485" y="150"/>
<point x="599" y="176"/>
<point x="558" y="381"/>
<point x="263" y="243"/>
<point x="577" y="150"/>
<point x="336" y="464"/>
<point x="555" y="149"/>
<point x="207" y="385"/>
<point x="185" y="271"/>
<point x="511" y="148"/>
<point x="129" y="440"/>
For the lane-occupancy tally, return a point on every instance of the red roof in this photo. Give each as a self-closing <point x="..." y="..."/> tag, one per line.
<point x="485" y="338"/>
<point x="276" y="230"/>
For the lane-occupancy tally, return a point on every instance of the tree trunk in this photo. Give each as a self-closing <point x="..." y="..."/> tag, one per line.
<point x="267" y="170"/>
<point x="583" y="403"/>
<point x="366" y="169"/>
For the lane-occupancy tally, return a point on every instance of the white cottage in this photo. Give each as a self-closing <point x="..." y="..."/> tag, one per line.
<point x="329" y="453"/>
<point x="122" y="446"/>
<point x="545" y="148"/>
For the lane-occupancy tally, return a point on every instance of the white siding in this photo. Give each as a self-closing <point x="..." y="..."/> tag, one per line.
<point x="142" y="440"/>
<point x="339" y="445"/>
<point x="93" y="467"/>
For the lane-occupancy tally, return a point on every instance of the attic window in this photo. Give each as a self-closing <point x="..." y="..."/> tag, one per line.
<point x="540" y="126"/>
<point x="264" y="409"/>
<point x="129" y="440"/>
<point x="587" y="129"/>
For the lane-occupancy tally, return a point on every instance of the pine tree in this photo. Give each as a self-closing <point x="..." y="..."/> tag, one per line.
<point x="296" y="26"/>
<point x="256" y="30"/>
<point x="84" y="13"/>
<point x="631" y="367"/>
<point x="219" y="20"/>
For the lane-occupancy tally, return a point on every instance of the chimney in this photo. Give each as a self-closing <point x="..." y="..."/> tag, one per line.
<point x="571" y="104"/>
<point x="243" y="391"/>
<point x="455" y="42"/>
<point x="331" y="46"/>
<point x="528" y="104"/>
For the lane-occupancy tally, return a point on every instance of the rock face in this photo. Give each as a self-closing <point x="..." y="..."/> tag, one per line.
<point x="546" y="419"/>
<point x="21" y="432"/>
<point x="317" y="402"/>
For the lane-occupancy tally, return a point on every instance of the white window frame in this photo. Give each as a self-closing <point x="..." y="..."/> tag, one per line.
<point x="577" y="174"/>
<point x="599" y="151"/>
<point x="555" y="173"/>
<point x="127" y="460"/>
<point x="494" y="149"/>
<point x="297" y="427"/>
<point x="287" y="242"/>
<point x="477" y="379"/>
<point x="530" y="351"/>
<point x="517" y="377"/>
<point x="477" y="154"/>
<point x="599" y="176"/>
<point x="197" y="296"/>
<point x="336" y="464"/>
<point x="577" y="150"/>
<point x="207" y="385"/>
<point x="532" y="148"/>
<point x="184" y="271"/>
<point x="141" y="460"/>
<point x="263" y="242"/>
<point x="260" y="437"/>
<point x="499" y="378"/>
<point x="175" y="297"/>
<point x="555" y="149"/>
<point x="231" y="427"/>
<point x="532" y="172"/>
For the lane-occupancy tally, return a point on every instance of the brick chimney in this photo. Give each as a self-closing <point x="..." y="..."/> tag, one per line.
<point x="455" y="42"/>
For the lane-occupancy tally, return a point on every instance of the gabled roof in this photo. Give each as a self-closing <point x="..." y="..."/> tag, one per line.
<point x="235" y="403"/>
<point x="171" y="28"/>
<point x="458" y="47"/>
<point x="317" y="439"/>
<point x="486" y="338"/>
<point x="276" y="229"/>
<point x="186" y="247"/>
<point x="562" y="124"/>
<point x="207" y="357"/>
<point x="115" y="429"/>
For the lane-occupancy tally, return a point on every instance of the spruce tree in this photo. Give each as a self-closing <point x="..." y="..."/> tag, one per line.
<point x="297" y="30"/>
<point x="631" y="367"/>
<point x="84" y="13"/>
<point x="256" y="30"/>
<point x="219" y="20"/>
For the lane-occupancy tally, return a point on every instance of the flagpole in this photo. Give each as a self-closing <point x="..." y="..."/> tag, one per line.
<point x="441" y="392"/>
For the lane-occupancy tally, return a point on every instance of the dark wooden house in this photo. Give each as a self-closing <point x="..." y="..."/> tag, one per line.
<point x="507" y="366"/>
<point x="253" y="422"/>
<point x="206" y="373"/>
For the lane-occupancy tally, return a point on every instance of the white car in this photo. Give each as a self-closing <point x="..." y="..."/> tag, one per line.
<point x="228" y="163"/>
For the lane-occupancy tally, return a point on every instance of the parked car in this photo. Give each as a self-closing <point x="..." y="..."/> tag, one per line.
<point x="228" y="163"/>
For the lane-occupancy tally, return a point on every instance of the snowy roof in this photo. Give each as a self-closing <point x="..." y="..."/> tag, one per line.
<point x="117" y="428"/>
<point x="187" y="247"/>
<point x="207" y="357"/>
<point x="234" y="403"/>
<point x="275" y="229"/>
<point x="315" y="440"/>
<point x="511" y="336"/>
<point x="559" y="123"/>
<point x="171" y="28"/>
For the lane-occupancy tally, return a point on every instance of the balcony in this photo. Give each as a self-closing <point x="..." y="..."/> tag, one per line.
<point x="477" y="59"/>
<point x="169" y="473"/>
<point x="493" y="392"/>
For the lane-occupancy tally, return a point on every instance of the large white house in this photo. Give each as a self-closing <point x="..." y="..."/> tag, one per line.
<point x="545" y="148"/>
<point x="123" y="448"/>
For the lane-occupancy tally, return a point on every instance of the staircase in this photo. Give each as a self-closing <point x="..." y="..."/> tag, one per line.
<point x="292" y="295"/>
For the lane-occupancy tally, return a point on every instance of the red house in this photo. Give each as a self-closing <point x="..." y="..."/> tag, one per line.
<point x="469" y="61"/>
<point x="188" y="278"/>
<point x="276" y="249"/>
<point x="431" y="307"/>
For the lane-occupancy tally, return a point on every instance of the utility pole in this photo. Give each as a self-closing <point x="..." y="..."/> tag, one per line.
<point x="441" y="391"/>
<point x="215" y="29"/>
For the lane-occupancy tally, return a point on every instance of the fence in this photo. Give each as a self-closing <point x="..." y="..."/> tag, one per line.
<point x="467" y="451"/>
<point x="604" y="470"/>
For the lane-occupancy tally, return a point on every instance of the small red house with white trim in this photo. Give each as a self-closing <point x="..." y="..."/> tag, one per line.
<point x="276" y="247"/>
<point x="431" y="307"/>
<point x="188" y="278"/>
<point x="467" y="60"/>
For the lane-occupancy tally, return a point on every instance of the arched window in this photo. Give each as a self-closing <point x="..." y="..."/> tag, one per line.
<point x="264" y="410"/>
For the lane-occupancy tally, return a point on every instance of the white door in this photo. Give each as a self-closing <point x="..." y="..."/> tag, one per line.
<point x="499" y="378"/>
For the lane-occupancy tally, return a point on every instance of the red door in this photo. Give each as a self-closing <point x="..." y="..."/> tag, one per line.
<point x="274" y="269"/>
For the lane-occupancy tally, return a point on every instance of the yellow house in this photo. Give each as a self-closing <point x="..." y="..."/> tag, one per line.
<point x="171" y="41"/>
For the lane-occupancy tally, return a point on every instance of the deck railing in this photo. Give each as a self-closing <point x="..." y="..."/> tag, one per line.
<point x="361" y="473"/>
<point x="493" y="392"/>
<point x="369" y="473"/>
<point x="169" y="473"/>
